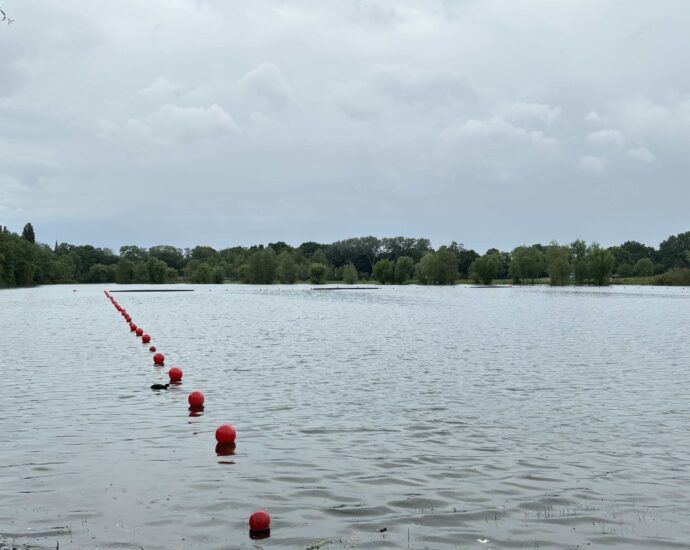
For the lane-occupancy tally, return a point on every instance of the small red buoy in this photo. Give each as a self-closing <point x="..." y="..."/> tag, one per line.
<point x="132" y="327"/>
<point x="152" y="348"/>
<point x="140" y="331"/>
<point x="159" y="359"/>
<point x="145" y="338"/>
<point x="196" y="399"/>
<point x="175" y="374"/>
<point x="226" y="434"/>
<point x="260" y="521"/>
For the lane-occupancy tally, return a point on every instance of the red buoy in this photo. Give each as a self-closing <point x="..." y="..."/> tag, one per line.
<point x="196" y="399"/>
<point x="140" y="331"/>
<point x="159" y="359"/>
<point x="260" y="521"/>
<point x="132" y="327"/>
<point x="152" y="348"/>
<point x="226" y="434"/>
<point x="175" y="374"/>
<point x="145" y="338"/>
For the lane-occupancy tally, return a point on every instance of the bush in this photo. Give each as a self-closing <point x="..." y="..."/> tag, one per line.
<point x="317" y="273"/>
<point x="678" y="276"/>
<point x="349" y="274"/>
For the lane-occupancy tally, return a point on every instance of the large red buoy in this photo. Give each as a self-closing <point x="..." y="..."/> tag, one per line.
<point x="226" y="434"/>
<point x="152" y="348"/>
<point x="145" y="338"/>
<point x="159" y="359"/>
<point x="140" y="331"/>
<point x="260" y="521"/>
<point x="175" y="374"/>
<point x="196" y="399"/>
<point x="132" y="327"/>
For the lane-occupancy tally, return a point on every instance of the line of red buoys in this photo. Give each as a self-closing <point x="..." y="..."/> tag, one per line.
<point x="259" y="521"/>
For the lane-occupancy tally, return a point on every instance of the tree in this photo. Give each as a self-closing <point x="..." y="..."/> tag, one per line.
<point x="287" y="270"/>
<point x="485" y="268"/>
<point x="578" y="253"/>
<point x="218" y="275"/>
<point x="28" y="233"/>
<point x="644" y="268"/>
<point x="526" y="264"/>
<point x="124" y="272"/>
<point x="349" y="274"/>
<point x="558" y="264"/>
<point x="262" y="267"/>
<point x="437" y="268"/>
<point x="317" y="273"/>
<point x="673" y="252"/>
<point x="169" y="254"/>
<point x="384" y="271"/>
<point x="599" y="264"/>
<point x="404" y="269"/>
<point x="203" y="274"/>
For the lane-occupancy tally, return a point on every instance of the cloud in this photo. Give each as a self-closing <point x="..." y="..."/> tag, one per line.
<point x="593" y="117"/>
<point x="162" y="87"/>
<point x="593" y="164"/>
<point x="267" y="81"/>
<point x="172" y="123"/>
<point x="497" y="128"/>
<point x="606" y="138"/>
<point x="642" y="154"/>
<point x="532" y="113"/>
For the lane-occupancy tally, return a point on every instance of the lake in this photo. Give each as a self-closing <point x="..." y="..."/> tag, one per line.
<point x="404" y="417"/>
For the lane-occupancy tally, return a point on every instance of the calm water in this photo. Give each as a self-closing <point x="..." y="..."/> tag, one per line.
<point x="452" y="417"/>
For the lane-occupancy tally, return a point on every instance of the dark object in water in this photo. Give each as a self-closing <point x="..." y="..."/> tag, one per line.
<point x="346" y="288"/>
<point x="156" y="290"/>
<point x="160" y="386"/>
<point x="383" y="530"/>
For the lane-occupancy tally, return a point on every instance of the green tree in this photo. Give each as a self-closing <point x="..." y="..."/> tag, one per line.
<point x="558" y="264"/>
<point x="526" y="264"/>
<point x="99" y="273"/>
<point x="578" y="254"/>
<point x="28" y="233"/>
<point x="317" y="273"/>
<point x="485" y="268"/>
<point x="404" y="269"/>
<point x="599" y="264"/>
<point x="262" y="267"/>
<point x="218" y="275"/>
<point x="384" y="271"/>
<point x="437" y="268"/>
<point x="644" y="268"/>
<point x="203" y="274"/>
<point x="287" y="270"/>
<point x="124" y="272"/>
<point x="349" y="274"/>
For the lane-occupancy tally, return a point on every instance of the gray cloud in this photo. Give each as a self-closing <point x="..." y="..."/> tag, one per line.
<point x="217" y="122"/>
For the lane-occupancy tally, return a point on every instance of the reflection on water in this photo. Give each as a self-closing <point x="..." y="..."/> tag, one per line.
<point x="402" y="418"/>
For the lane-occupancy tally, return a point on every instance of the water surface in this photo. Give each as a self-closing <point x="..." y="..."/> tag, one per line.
<point x="451" y="417"/>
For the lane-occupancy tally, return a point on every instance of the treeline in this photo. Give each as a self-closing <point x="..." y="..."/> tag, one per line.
<point x="396" y="260"/>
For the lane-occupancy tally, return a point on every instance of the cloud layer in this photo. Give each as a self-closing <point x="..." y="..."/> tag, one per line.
<point x="490" y="123"/>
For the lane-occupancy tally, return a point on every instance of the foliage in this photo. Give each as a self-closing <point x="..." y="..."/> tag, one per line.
<point x="527" y="264"/>
<point x="486" y="268"/>
<point x="24" y="262"/>
<point x="384" y="271"/>
<point x="558" y="264"/>
<point x="349" y="274"/>
<point x="578" y="255"/>
<point x="286" y="270"/>
<point x="404" y="269"/>
<point x="678" y="276"/>
<point x="28" y="233"/>
<point x="599" y="265"/>
<point x="317" y="273"/>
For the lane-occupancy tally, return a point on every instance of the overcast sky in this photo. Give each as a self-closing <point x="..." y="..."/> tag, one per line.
<point x="492" y="123"/>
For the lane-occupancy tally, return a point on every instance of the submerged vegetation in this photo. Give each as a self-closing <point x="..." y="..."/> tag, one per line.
<point x="396" y="260"/>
